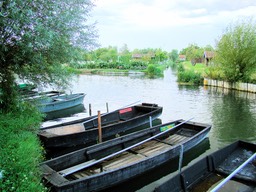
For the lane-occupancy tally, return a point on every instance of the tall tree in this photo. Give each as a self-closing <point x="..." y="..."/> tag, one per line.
<point x="174" y="55"/>
<point x="236" y="51"/>
<point x="193" y="51"/>
<point x="36" y="38"/>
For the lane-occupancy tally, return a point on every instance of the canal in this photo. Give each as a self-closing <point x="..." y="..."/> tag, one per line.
<point x="232" y="114"/>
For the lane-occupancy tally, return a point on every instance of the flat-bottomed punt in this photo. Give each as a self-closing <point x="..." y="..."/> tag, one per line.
<point x="205" y="174"/>
<point x="116" y="122"/>
<point x="109" y="163"/>
<point x="53" y="101"/>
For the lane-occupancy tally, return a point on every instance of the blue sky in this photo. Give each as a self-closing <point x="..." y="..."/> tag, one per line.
<point x="166" y="24"/>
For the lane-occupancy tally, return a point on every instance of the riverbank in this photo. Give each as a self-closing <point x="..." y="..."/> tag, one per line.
<point x="20" y="151"/>
<point x="248" y="87"/>
<point x="188" y="72"/>
<point x="111" y="71"/>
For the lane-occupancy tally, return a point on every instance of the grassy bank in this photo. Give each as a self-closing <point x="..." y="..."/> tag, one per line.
<point x="20" y="151"/>
<point x="191" y="74"/>
<point x="152" y="70"/>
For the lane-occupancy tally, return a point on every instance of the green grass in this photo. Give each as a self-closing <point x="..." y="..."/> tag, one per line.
<point x="20" y="151"/>
<point x="198" y="68"/>
<point x="189" y="74"/>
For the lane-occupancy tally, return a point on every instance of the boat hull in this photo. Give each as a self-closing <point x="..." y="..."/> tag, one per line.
<point x="126" y="171"/>
<point x="61" y="102"/>
<point x="89" y="133"/>
<point x="214" y="167"/>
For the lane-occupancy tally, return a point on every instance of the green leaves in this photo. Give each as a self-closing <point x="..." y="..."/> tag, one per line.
<point x="36" y="37"/>
<point x="236" y="51"/>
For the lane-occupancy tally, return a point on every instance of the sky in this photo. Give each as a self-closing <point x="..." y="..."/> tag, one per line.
<point x="166" y="24"/>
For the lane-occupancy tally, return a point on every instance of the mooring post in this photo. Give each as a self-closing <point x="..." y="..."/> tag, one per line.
<point x="181" y="157"/>
<point x="107" y="106"/>
<point x="99" y="127"/>
<point x="90" y="109"/>
<point x="150" y="121"/>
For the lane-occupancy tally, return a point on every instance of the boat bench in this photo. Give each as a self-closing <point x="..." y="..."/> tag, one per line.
<point x="75" y="168"/>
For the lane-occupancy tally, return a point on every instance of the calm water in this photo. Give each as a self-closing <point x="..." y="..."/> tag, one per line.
<point x="231" y="113"/>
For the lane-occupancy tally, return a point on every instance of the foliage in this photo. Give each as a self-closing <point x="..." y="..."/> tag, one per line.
<point x="189" y="76"/>
<point x="20" y="150"/>
<point x="193" y="51"/>
<point x="36" y="37"/>
<point x="154" y="70"/>
<point x="174" y="55"/>
<point x="215" y="72"/>
<point x="236" y="51"/>
<point x="198" y="68"/>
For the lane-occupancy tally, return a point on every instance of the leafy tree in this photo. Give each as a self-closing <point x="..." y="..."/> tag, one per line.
<point x="193" y="51"/>
<point x="174" y="55"/>
<point x="208" y="48"/>
<point x="124" y="50"/>
<point x="36" y="37"/>
<point x="106" y="54"/>
<point x="236" y="51"/>
<point x="161" y="55"/>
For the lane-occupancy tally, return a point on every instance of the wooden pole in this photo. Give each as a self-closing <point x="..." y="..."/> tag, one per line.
<point x="107" y="107"/>
<point x="90" y="109"/>
<point x="150" y="121"/>
<point x="99" y="127"/>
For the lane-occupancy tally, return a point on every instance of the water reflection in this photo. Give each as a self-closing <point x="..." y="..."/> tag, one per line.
<point x="233" y="117"/>
<point x="231" y="113"/>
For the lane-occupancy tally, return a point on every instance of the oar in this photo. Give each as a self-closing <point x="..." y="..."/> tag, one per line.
<point x="121" y="151"/>
<point x="96" y="117"/>
<point x="233" y="173"/>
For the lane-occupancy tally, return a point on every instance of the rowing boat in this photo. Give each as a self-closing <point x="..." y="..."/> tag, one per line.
<point x="116" y="122"/>
<point x="207" y="173"/>
<point x="109" y="163"/>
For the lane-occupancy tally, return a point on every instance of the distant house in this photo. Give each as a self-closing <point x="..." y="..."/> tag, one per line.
<point x="194" y="61"/>
<point x="139" y="56"/>
<point x="208" y="56"/>
<point x="182" y="57"/>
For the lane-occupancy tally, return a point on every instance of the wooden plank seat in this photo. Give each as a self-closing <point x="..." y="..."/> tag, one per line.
<point x="76" y="167"/>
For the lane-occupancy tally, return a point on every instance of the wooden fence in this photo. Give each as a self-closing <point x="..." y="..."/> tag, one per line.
<point x="236" y="86"/>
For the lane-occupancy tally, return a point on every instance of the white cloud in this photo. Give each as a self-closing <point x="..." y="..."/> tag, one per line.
<point x="129" y="20"/>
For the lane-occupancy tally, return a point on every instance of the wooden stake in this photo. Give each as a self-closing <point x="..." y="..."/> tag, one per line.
<point x="90" y="109"/>
<point x="107" y="107"/>
<point x="99" y="127"/>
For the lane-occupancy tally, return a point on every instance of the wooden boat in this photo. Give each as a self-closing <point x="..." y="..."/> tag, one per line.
<point x="49" y="103"/>
<point x="37" y="97"/>
<point x="73" y="134"/>
<point x="204" y="174"/>
<point x="106" y="164"/>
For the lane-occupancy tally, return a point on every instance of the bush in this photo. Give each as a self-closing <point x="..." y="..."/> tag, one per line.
<point x="214" y="73"/>
<point x="21" y="151"/>
<point x="154" y="70"/>
<point x="190" y="77"/>
<point x="139" y="65"/>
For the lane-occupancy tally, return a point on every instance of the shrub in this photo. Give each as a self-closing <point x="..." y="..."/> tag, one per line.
<point x="154" y="70"/>
<point x="190" y="77"/>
